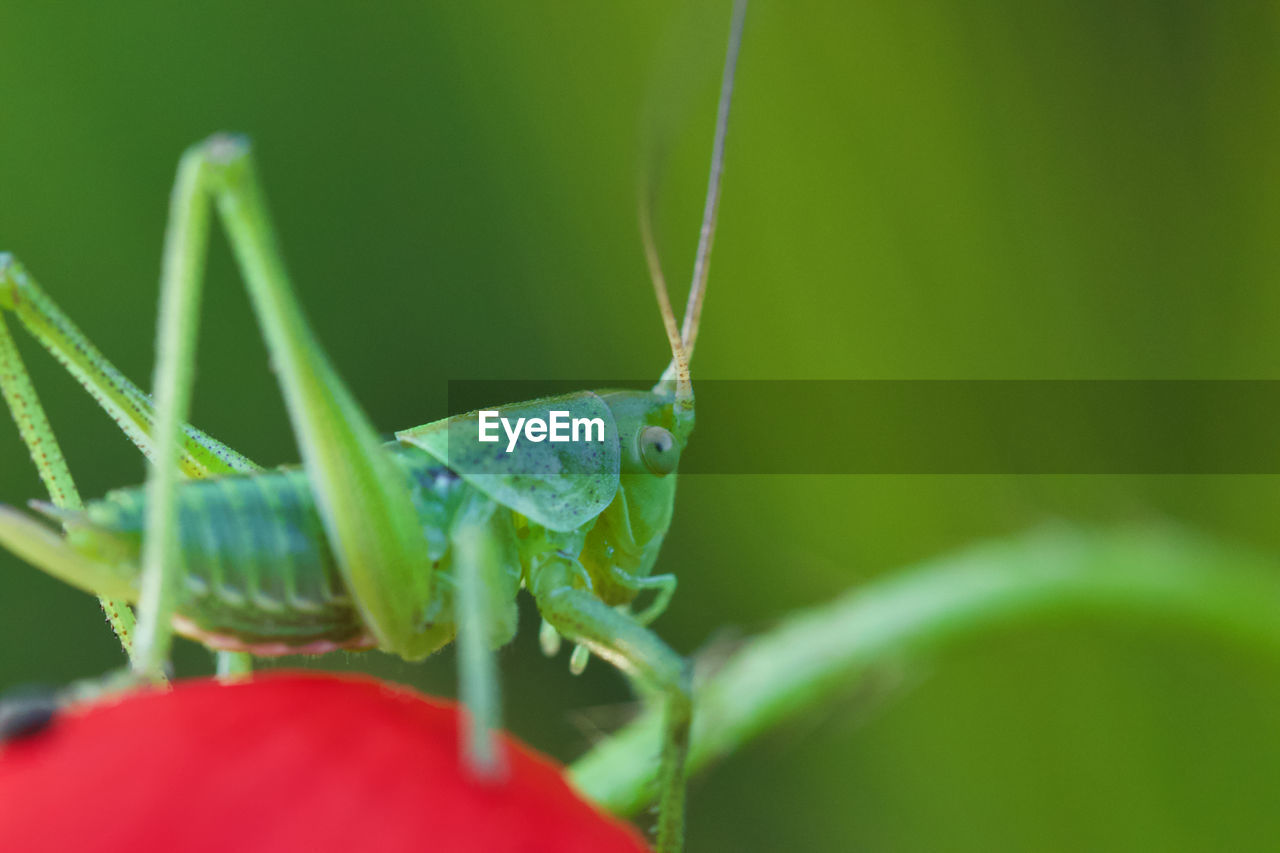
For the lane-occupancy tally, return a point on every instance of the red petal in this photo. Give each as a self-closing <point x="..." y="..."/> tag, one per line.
<point x="287" y="761"/>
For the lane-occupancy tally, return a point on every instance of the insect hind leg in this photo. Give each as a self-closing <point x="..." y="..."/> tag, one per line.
<point x="368" y="516"/>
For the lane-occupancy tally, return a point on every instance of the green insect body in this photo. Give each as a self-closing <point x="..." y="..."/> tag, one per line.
<point x="261" y="577"/>
<point x="404" y="546"/>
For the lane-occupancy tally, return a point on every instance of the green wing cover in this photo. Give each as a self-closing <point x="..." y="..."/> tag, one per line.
<point x="559" y="484"/>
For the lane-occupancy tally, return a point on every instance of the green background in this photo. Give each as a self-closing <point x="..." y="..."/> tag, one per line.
<point x="923" y="190"/>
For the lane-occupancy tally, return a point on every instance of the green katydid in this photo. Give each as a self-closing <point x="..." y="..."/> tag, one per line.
<point x="396" y="546"/>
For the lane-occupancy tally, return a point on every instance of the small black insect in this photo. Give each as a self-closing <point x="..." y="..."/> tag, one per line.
<point x="25" y="711"/>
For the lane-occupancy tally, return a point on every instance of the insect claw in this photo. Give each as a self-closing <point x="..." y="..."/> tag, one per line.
<point x="578" y="660"/>
<point x="549" y="639"/>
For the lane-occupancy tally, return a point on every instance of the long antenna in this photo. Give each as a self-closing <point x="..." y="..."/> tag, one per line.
<point x="711" y="210"/>
<point x="682" y="341"/>
<point x="680" y="358"/>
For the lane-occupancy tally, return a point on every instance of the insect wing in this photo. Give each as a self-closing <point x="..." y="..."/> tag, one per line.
<point x="560" y="484"/>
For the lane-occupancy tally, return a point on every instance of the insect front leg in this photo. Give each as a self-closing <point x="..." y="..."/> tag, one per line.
<point x="652" y="665"/>
<point x="200" y="455"/>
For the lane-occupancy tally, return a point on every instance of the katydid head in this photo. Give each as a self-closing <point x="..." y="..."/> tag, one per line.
<point x="629" y="532"/>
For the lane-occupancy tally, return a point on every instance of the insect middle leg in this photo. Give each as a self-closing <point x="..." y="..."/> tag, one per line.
<point x="486" y="565"/>
<point x="653" y="665"/>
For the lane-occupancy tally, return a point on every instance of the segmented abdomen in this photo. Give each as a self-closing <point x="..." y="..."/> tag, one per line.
<point x="259" y="569"/>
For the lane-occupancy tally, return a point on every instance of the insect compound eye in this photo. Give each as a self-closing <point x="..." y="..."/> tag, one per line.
<point x="658" y="450"/>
